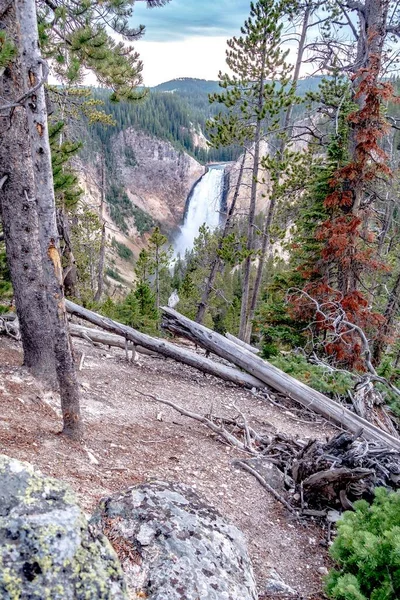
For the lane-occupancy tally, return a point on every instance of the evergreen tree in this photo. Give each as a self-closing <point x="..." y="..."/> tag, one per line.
<point x="255" y="95"/>
<point x="159" y="257"/>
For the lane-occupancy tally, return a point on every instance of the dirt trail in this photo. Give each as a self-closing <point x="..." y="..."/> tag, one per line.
<point x="130" y="438"/>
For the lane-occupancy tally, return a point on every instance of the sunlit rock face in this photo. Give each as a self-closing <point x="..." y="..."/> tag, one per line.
<point x="47" y="550"/>
<point x="174" y="546"/>
<point x="157" y="177"/>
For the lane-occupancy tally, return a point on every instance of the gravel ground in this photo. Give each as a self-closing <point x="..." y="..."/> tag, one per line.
<point x="130" y="438"/>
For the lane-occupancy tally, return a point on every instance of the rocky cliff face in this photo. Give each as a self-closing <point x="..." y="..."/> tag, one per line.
<point x="156" y="176"/>
<point x="157" y="179"/>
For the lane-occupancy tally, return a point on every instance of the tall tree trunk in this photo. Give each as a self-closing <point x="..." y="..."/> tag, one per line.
<point x="33" y="72"/>
<point x="372" y="16"/>
<point x="157" y="274"/>
<point x="202" y="307"/>
<point x="100" y="275"/>
<point x="19" y="216"/>
<point x="271" y="208"/>
<point x="253" y="200"/>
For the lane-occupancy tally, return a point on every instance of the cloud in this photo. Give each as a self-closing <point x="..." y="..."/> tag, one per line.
<point x="200" y="57"/>
<point x="181" y="19"/>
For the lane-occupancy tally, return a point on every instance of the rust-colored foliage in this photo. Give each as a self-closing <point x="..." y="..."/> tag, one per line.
<point x="349" y="252"/>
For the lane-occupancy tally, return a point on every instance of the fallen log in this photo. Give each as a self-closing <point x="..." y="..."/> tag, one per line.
<point x="108" y="339"/>
<point x="241" y="343"/>
<point x="274" y="377"/>
<point x="167" y="348"/>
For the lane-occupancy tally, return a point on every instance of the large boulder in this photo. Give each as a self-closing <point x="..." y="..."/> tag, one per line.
<point x="173" y="546"/>
<point x="47" y="550"/>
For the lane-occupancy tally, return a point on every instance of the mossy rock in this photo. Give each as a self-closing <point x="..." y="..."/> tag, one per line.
<point x="47" y="549"/>
<point x="175" y="546"/>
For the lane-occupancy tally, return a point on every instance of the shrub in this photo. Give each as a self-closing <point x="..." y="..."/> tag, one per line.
<point x="317" y="377"/>
<point x="367" y="551"/>
<point x="114" y="275"/>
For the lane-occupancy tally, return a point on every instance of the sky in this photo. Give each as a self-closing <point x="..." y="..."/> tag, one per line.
<point x="187" y="38"/>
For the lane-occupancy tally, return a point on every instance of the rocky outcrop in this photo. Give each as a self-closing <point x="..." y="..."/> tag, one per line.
<point x="47" y="550"/>
<point x="173" y="546"/>
<point x="157" y="177"/>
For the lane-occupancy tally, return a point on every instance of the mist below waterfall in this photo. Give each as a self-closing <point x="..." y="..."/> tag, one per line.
<point x="204" y="208"/>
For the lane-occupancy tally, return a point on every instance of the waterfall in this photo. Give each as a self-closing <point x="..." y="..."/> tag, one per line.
<point x="204" y="207"/>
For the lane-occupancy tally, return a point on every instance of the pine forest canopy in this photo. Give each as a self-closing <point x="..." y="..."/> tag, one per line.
<point x="176" y="109"/>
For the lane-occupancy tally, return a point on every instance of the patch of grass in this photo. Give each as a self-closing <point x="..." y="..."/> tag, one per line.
<point x="143" y="221"/>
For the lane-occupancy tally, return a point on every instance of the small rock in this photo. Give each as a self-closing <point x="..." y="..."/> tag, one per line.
<point x="275" y="586"/>
<point x="333" y="516"/>
<point x="269" y="472"/>
<point x="92" y="457"/>
<point x="323" y="571"/>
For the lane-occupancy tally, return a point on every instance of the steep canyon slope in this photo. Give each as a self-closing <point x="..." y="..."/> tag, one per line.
<point x="157" y="177"/>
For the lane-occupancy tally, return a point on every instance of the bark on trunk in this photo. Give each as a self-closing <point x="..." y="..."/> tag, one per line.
<point x="372" y="15"/>
<point x="166" y="348"/>
<point x="389" y="315"/>
<point x="19" y="216"/>
<point x="108" y="339"/>
<point x="217" y="260"/>
<point x="242" y="344"/>
<point x="36" y="109"/>
<point x="273" y="377"/>
<point x="100" y="275"/>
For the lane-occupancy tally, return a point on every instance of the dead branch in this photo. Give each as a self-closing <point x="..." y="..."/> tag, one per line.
<point x="218" y="429"/>
<point x="266" y="485"/>
<point x="275" y="378"/>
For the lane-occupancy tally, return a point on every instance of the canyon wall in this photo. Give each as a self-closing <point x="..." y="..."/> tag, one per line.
<point x="157" y="177"/>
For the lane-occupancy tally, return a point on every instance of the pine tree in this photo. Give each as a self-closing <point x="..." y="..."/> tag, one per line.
<point x="159" y="257"/>
<point x="254" y="96"/>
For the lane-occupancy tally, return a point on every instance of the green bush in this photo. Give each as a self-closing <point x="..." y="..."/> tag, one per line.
<point x="130" y="157"/>
<point x="367" y="551"/>
<point x="114" y="275"/>
<point x="318" y="378"/>
<point x="6" y="291"/>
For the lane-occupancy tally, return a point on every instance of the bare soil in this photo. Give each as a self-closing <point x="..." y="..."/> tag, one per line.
<point x="130" y="438"/>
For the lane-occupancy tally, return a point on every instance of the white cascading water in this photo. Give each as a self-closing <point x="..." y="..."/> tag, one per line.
<point x="204" y="207"/>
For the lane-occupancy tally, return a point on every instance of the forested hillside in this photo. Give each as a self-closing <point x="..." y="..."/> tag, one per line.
<point x="177" y="116"/>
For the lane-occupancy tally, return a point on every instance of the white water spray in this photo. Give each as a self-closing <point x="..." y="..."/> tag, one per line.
<point x="204" y="208"/>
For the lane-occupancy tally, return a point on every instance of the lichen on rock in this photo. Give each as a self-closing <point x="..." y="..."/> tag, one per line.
<point x="173" y="546"/>
<point x="47" y="549"/>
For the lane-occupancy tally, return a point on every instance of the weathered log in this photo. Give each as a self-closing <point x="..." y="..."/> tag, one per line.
<point x="108" y="339"/>
<point x="274" y="377"/>
<point x="241" y="343"/>
<point x="167" y="348"/>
